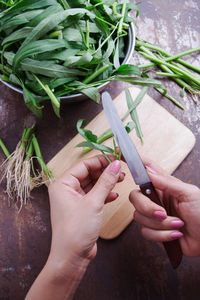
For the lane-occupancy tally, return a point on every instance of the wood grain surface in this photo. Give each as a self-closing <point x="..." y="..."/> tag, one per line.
<point x="166" y="140"/>
<point x="127" y="267"/>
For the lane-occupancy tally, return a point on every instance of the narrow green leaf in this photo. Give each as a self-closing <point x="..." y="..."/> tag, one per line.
<point x="37" y="47"/>
<point x="87" y="134"/>
<point x="128" y="70"/>
<point x="49" y="69"/>
<point x="31" y="103"/>
<point x="96" y="146"/>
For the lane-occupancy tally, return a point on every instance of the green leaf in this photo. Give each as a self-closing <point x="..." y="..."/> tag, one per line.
<point x="133" y="113"/>
<point x="37" y="47"/>
<point x="31" y="103"/>
<point x="22" y="6"/>
<point x="54" y="100"/>
<point x="92" y="93"/>
<point x="20" y="19"/>
<point x="128" y="69"/>
<point x="48" y="11"/>
<point x="52" y="21"/>
<point x="96" y="146"/>
<point x="87" y="134"/>
<point x="49" y="69"/>
<point x="17" y="35"/>
<point x="138" y="81"/>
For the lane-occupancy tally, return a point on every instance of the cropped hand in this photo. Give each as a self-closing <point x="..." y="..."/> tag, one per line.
<point x="182" y="198"/>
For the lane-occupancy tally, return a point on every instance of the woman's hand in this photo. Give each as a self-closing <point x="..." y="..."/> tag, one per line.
<point x="76" y="202"/>
<point x="183" y="198"/>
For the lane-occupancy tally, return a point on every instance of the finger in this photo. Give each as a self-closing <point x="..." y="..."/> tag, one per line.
<point x="161" y="235"/>
<point x="90" y="184"/>
<point x="152" y="165"/>
<point x="170" y="223"/>
<point x="83" y="169"/>
<point x="145" y="206"/>
<point x="105" y="183"/>
<point x="111" y="197"/>
<point x="171" y="185"/>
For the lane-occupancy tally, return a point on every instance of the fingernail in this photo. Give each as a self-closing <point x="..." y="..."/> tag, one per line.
<point x="177" y="223"/>
<point x="115" y="195"/>
<point x="115" y="167"/>
<point x="160" y="215"/>
<point x="176" y="235"/>
<point x="151" y="170"/>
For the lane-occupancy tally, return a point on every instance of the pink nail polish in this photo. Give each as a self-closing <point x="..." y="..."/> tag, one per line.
<point x="161" y="215"/>
<point x="115" y="167"/>
<point x="151" y="170"/>
<point x="176" y="235"/>
<point x="177" y="223"/>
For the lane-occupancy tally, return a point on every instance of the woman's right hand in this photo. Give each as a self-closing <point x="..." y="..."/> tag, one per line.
<point x="183" y="198"/>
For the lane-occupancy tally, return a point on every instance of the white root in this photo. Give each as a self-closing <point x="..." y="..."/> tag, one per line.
<point x="21" y="177"/>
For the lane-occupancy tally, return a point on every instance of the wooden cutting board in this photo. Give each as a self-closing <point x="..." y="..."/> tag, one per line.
<point x="166" y="140"/>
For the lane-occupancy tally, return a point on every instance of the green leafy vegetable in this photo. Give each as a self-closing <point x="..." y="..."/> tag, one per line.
<point x="52" y="48"/>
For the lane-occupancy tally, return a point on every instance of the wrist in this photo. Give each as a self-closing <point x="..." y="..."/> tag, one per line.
<point x="72" y="268"/>
<point x="58" y="280"/>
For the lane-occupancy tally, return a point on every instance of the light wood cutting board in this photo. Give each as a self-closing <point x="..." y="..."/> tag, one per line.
<point x="166" y="140"/>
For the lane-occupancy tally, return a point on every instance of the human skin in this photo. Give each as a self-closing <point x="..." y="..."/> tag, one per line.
<point x="77" y="199"/>
<point x="183" y="198"/>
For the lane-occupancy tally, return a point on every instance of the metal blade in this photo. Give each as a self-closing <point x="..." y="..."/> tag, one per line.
<point x="125" y="143"/>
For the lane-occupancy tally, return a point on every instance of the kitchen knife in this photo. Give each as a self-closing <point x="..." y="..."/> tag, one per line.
<point x="137" y="169"/>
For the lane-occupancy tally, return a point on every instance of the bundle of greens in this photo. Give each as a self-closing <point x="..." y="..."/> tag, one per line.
<point x="19" y="169"/>
<point x="171" y="66"/>
<point x="53" y="48"/>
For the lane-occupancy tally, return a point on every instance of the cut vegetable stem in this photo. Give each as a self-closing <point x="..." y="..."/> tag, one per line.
<point x="4" y="148"/>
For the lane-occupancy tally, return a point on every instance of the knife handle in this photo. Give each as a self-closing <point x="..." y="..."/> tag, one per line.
<point x="172" y="248"/>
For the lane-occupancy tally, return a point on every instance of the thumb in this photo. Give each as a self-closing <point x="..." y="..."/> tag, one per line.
<point x="106" y="182"/>
<point x="167" y="183"/>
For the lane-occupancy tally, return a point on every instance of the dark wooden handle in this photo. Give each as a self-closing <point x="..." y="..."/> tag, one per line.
<point x="172" y="248"/>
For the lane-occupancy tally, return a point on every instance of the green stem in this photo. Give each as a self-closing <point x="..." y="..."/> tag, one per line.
<point x="114" y="7"/>
<point x="64" y="4"/>
<point x="186" y="75"/>
<point x="29" y="151"/>
<point x="165" y="74"/>
<point x="106" y="157"/>
<point x="87" y="35"/>
<point x="4" y="148"/>
<point x="96" y="74"/>
<point x="169" y="56"/>
<point x="39" y="156"/>
<point x="170" y="98"/>
<point x="119" y="31"/>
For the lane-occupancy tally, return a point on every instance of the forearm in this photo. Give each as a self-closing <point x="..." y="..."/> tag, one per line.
<point x="57" y="282"/>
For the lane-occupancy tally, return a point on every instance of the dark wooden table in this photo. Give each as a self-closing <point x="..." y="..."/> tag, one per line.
<point x="128" y="267"/>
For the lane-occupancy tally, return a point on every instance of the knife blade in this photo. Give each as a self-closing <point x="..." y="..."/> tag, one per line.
<point x="137" y="170"/>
